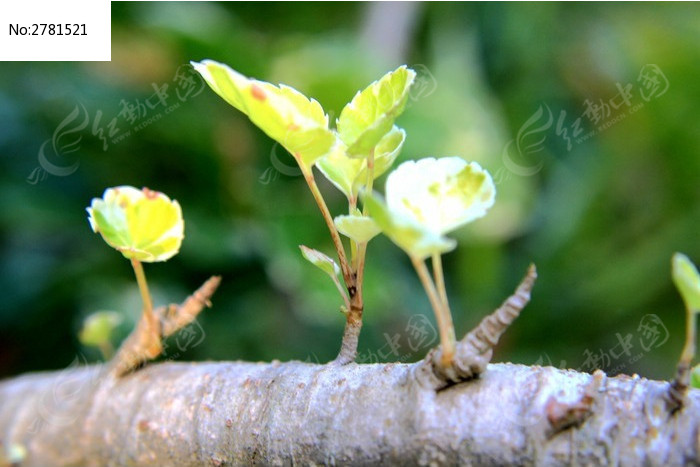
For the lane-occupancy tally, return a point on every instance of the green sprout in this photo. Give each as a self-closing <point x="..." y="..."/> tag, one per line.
<point x="363" y="146"/>
<point x="97" y="331"/>
<point x="687" y="280"/>
<point x="695" y="377"/>
<point x="425" y="200"/>
<point x="145" y="226"/>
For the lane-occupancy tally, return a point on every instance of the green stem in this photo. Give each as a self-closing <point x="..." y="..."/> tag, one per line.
<point x="143" y="288"/>
<point x="362" y="247"/>
<point x="152" y="337"/>
<point x="689" y="347"/>
<point x="440" y="279"/>
<point x="353" y="255"/>
<point x="106" y="350"/>
<point x="442" y="314"/>
<point x="337" y="242"/>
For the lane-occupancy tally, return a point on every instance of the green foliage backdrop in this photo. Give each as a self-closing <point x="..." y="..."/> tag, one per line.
<point x="586" y="115"/>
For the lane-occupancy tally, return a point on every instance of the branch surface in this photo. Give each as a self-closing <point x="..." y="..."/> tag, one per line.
<point x="299" y="413"/>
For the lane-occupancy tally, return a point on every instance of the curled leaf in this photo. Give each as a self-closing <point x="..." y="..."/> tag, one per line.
<point x="372" y="112"/>
<point x="321" y="261"/>
<point x="687" y="280"/>
<point x="142" y="224"/>
<point x="298" y="123"/>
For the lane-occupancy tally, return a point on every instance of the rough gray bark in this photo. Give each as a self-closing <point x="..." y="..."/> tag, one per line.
<point x="298" y="413"/>
<point x="427" y="413"/>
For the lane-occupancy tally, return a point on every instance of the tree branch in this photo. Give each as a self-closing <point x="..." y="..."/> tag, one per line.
<point x="298" y="413"/>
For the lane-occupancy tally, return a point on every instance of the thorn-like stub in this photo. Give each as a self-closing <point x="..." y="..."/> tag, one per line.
<point x="474" y="351"/>
<point x="139" y="347"/>
<point x="564" y="415"/>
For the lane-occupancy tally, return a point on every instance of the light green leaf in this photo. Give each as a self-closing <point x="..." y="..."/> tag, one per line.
<point x="350" y="174"/>
<point x="341" y="170"/>
<point x="298" y="123"/>
<point x="98" y="327"/>
<point x="687" y="280"/>
<point x="360" y="228"/>
<point x="410" y="236"/>
<point x="321" y="261"/>
<point x="440" y="194"/>
<point x="695" y="377"/>
<point x="385" y="154"/>
<point x="142" y="224"/>
<point x="372" y="112"/>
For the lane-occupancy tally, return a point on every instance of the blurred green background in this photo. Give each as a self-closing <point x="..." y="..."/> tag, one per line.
<point x="586" y="115"/>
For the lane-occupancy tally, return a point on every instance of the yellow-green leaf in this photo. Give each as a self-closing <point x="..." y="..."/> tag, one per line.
<point x="142" y="224"/>
<point x="298" y="123"/>
<point x="372" y="112"/>
<point x="687" y="280"/>
<point x="410" y="236"/>
<point x="695" y="377"/>
<point x="321" y="261"/>
<point x="440" y="194"/>
<point x="350" y="174"/>
<point x="341" y="170"/>
<point x="385" y="154"/>
<point x="360" y="228"/>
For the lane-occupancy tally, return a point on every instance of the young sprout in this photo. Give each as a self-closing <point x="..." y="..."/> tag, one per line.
<point x="97" y="331"/>
<point x="425" y="200"/>
<point x="363" y="147"/>
<point x="695" y="377"/>
<point x="687" y="281"/>
<point x="145" y="226"/>
<point x="327" y="265"/>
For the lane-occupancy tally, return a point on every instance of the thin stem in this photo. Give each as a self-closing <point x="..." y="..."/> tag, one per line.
<point x="152" y="328"/>
<point x="337" y="242"/>
<point x="440" y="279"/>
<point x="362" y="252"/>
<point x="362" y="247"/>
<point x="352" y="205"/>
<point x="143" y="288"/>
<point x="689" y="347"/>
<point x="676" y="396"/>
<point x="107" y="350"/>
<point x="353" y="255"/>
<point x="442" y="314"/>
